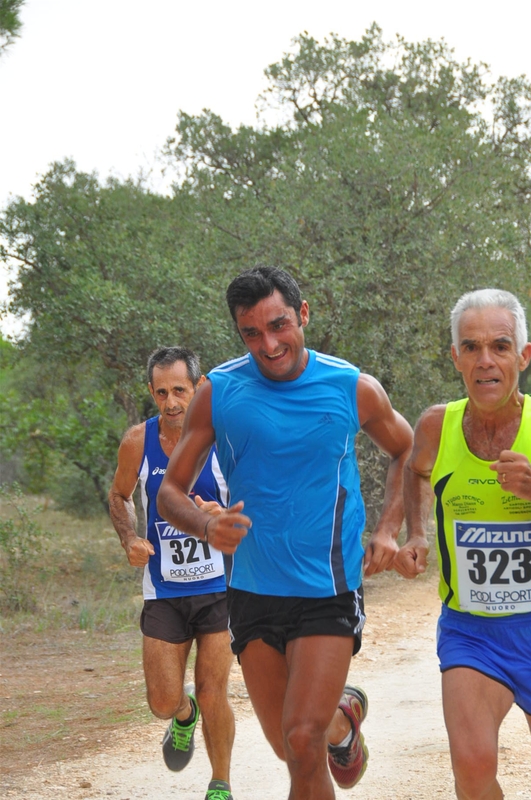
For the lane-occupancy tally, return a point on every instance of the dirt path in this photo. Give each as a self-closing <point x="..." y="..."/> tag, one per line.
<point x="404" y="729"/>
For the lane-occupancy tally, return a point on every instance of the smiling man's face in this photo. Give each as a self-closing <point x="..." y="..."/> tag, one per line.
<point x="275" y="337"/>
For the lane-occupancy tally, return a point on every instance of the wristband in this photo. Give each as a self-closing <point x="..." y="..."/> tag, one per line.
<point x="205" y="533"/>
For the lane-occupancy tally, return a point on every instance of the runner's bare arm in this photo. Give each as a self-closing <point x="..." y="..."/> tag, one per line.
<point x="121" y="506"/>
<point x="225" y="530"/>
<point x="411" y="560"/>
<point x="393" y="435"/>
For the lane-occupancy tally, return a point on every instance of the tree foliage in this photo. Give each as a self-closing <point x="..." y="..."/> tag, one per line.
<point x="386" y="176"/>
<point x="107" y="273"/>
<point x="399" y="178"/>
<point x="10" y="22"/>
<point x="64" y="431"/>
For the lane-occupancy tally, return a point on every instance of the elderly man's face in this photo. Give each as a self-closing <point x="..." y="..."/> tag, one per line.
<point x="488" y="358"/>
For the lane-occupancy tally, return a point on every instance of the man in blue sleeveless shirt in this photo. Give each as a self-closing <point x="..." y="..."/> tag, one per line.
<point x="284" y="419"/>
<point x="184" y="580"/>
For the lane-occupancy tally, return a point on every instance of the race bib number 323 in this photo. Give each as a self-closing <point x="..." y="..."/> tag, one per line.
<point x="494" y="566"/>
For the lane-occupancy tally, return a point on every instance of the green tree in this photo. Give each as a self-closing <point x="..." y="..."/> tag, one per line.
<point x="386" y="176"/>
<point x="398" y="179"/>
<point x="58" y="432"/>
<point x="10" y="22"/>
<point x="105" y="274"/>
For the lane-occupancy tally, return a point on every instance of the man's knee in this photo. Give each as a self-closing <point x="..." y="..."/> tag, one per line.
<point x="166" y="704"/>
<point x="211" y="695"/>
<point x="160" y="708"/>
<point x="304" y="741"/>
<point x="474" y="772"/>
<point x="212" y="672"/>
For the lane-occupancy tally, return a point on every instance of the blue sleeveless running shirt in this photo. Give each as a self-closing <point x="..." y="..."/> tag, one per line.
<point x="287" y="449"/>
<point x="182" y="565"/>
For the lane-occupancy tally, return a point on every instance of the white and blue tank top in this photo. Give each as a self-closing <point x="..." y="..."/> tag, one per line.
<point x="182" y="564"/>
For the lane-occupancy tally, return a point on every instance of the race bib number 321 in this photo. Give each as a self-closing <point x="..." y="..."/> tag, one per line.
<point x="186" y="559"/>
<point x="494" y="566"/>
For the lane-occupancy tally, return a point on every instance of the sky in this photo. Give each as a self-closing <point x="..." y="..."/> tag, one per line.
<point x="102" y="81"/>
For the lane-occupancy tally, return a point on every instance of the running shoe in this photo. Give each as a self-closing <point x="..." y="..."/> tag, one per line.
<point x="218" y="790"/>
<point x="348" y="763"/>
<point x="178" y="743"/>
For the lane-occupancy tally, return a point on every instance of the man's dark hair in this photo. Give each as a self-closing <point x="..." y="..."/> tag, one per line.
<point x="252" y="285"/>
<point x="166" y="356"/>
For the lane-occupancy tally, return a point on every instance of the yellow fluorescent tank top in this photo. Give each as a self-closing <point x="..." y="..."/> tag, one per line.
<point x="483" y="533"/>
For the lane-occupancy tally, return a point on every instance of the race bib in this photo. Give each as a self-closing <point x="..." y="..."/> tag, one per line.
<point x="185" y="558"/>
<point x="494" y="566"/>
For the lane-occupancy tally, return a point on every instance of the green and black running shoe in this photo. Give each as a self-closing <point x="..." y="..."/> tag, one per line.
<point x="218" y="790"/>
<point x="178" y="743"/>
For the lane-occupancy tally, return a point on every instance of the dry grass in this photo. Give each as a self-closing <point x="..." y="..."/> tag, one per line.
<point x="71" y="667"/>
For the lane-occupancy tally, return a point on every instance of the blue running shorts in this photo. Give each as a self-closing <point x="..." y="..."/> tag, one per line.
<point x="499" y="647"/>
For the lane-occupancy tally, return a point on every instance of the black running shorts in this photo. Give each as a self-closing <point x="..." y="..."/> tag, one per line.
<point x="279" y="620"/>
<point x="178" y="619"/>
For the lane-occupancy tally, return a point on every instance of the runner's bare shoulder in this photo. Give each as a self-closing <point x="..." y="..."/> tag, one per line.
<point x="132" y="444"/>
<point x="427" y="439"/>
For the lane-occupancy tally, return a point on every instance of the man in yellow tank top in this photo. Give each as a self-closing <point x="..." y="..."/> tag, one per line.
<point x="473" y="456"/>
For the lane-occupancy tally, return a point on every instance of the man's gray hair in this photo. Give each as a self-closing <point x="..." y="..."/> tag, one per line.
<point x="167" y="356"/>
<point x="486" y="298"/>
